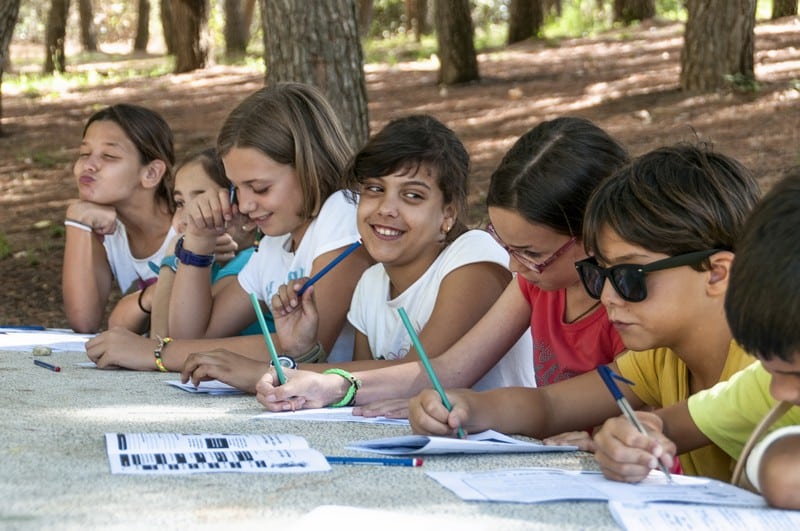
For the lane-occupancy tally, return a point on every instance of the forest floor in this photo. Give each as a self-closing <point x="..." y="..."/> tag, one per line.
<point x="625" y="81"/>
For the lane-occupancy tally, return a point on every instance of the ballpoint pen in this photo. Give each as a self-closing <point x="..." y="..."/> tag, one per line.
<point x="353" y="246"/>
<point x="426" y="362"/>
<point x="608" y="377"/>
<point x="380" y="461"/>
<point x="40" y="363"/>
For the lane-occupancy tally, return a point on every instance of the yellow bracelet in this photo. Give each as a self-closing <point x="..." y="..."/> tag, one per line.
<point x="162" y="342"/>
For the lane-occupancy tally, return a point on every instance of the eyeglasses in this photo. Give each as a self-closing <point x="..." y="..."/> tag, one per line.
<point x="524" y="259"/>
<point x="629" y="280"/>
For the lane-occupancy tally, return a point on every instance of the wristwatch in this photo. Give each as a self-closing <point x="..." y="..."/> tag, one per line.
<point x="189" y="258"/>
<point x="286" y="362"/>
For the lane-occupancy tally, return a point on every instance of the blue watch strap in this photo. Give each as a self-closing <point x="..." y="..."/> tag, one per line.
<point x="189" y="258"/>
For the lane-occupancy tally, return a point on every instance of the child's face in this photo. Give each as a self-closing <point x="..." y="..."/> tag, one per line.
<point x="268" y="193"/>
<point x="676" y="299"/>
<point x="785" y="384"/>
<point x="402" y="217"/>
<point x="537" y="243"/>
<point x="108" y="169"/>
<point x="190" y="181"/>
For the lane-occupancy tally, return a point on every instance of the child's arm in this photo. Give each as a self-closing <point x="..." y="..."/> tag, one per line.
<point x="86" y="275"/>
<point x="130" y="312"/>
<point x="774" y="468"/>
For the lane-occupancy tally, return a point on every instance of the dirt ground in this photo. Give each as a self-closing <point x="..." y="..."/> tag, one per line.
<point x="626" y="83"/>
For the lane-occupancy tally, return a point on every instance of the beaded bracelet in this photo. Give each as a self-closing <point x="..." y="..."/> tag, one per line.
<point x="162" y="342"/>
<point x="349" y="398"/>
<point x="77" y="224"/>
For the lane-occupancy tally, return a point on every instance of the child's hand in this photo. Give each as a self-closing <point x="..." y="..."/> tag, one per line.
<point x="581" y="439"/>
<point x="296" y="321"/>
<point x="625" y="454"/>
<point x="119" y="347"/>
<point x="392" y="408"/>
<point x="428" y="415"/>
<point x="226" y="248"/>
<point x="233" y="369"/>
<point x="207" y="214"/>
<point x="101" y="218"/>
<point x="303" y="389"/>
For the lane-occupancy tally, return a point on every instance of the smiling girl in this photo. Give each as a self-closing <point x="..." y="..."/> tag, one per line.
<point x="123" y="217"/>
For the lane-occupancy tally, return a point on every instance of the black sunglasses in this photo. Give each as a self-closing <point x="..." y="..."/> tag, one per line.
<point x="629" y="280"/>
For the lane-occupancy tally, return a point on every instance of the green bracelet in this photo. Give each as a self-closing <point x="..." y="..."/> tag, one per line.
<point x="349" y="398"/>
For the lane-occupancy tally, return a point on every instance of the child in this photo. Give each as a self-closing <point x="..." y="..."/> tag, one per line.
<point x="123" y="218"/>
<point x="198" y="173"/>
<point x="411" y="179"/>
<point x="762" y="309"/>
<point x="285" y="151"/>
<point x="661" y="231"/>
<point x="536" y="202"/>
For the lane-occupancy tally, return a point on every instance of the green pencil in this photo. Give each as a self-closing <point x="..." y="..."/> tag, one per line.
<point x="272" y="352"/>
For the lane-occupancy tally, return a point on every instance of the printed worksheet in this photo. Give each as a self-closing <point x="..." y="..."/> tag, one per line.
<point x="23" y="339"/>
<point x="210" y="387"/>
<point x="701" y="517"/>
<point x="486" y="442"/>
<point x="176" y="453"/>
<point x="329" y="414"/>
<point x="536" y="485"/>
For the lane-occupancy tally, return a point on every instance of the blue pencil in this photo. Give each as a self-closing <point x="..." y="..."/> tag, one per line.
<point x="312" y="280"/>
<point x="426" y="362"/>
<point x="380" y="461"/>
<point x="270" y="345"/>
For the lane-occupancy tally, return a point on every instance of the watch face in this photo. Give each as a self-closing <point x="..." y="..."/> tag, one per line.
<point x="287" y="362"/>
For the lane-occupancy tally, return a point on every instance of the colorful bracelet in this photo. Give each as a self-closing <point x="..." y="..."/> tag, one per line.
<point x="162" y="342"/>
<point x="77" y="224"/>
<point x="139" y="301"/>
<point x="349" y="398"/>
<point x="190" y="258"/>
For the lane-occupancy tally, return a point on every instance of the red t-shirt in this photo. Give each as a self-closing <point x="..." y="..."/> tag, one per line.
<point x="562" y="350"/>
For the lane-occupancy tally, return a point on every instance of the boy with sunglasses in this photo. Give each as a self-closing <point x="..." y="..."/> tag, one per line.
<point x="762" y="306"/>
<point x="661" y="230"/>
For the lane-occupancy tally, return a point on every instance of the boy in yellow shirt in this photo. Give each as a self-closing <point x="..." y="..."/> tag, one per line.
<point x="763" y="308"/>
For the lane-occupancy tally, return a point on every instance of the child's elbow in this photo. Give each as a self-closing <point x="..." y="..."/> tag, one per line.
<point x="779" y="475"/>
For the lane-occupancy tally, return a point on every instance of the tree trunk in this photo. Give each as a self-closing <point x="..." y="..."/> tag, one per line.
<point x="417" y="15"/>
<point x="364" y="16"/>
<point x="525" y="19"/>
<point x="317" y="43"/>
<point x="235" y="34"/>
<point x="8" y="19"/>
<point x="56" y="31"/>
<point x="189" y="19"/>
<point x="454" y="30"/>
<point x="88" y="36"/>
<point x="718" y="43"/>
<point x="783" y="8"/>
<point x="628" y="11"/>
<point x="167" y="26"/>
<point x="142" y="27"/>
<point x="247" y="17"/>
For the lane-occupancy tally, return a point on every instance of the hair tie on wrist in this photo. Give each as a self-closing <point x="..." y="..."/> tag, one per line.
<point x="139" y="300"/>
<point x="77" y="224"/>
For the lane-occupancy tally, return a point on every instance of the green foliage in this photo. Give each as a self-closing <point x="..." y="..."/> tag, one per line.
<point x="5" y="248"/>
<point x="743" y="83"/>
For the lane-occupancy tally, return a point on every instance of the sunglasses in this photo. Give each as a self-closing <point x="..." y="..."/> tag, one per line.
<point x="629" y="280"/>
<point x="524" y="259"/>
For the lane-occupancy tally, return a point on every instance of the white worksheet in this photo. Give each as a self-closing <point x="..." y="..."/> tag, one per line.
<point x="210" y="387"/>
<point x="329" y="414"/>
<point x="634" y="517"/>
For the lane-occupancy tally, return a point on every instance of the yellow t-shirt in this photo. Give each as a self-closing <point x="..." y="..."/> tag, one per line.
<point x="728" y="412"/>
<point x="662" y="379"/>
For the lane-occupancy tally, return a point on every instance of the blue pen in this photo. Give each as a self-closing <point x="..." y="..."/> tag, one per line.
<point x="608" y="377"/>
<point x="312" y="280"/>
<point x="426" y="362"/>
<point x="380" y="461"/>
<point x="232" y="195"/>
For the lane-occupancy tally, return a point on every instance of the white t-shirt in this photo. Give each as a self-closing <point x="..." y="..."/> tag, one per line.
<point x="273" y="264"/>
<point x="375" y="315"/>
<point x="127" y="269"/>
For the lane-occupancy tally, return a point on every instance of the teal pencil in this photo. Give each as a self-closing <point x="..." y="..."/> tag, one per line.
<point x="426" y="362"/>
<point x="268" y="338"/>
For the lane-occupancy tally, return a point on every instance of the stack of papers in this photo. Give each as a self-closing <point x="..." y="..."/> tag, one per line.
<point x="487" y="442"/>
<point x="174" y="453"/>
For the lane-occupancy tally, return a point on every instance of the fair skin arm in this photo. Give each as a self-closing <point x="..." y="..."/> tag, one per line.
<point x="127" y="313"/>
<point x="86" y="275"/>
<point x="461" y="365"/>
<point x="536" y="412"/>
<point x="779" y="485"/>
<point x="626" y="455"/>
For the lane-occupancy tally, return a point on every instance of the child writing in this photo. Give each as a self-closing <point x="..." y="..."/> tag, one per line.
<point x="122" y="219"/>
<point x="412" y="180"/>
<point x="536" y="202"/>
<point x="199" y="173"/>
<point x="661" y="232"/>
<point x="285" y="151"/>
<point x="762" y="308"/>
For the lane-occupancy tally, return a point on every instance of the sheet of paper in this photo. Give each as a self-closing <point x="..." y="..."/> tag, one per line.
<point x="536" y="485"/>
<point x="211" y="387"/>
<point x="701" y="517"/>
<point x="329" y="414"/>
<point x="175" y="453"/>
<point x="487" y="442"/>
<point x="24" y="339"/>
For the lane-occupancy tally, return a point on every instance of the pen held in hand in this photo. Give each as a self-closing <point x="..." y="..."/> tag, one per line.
<point x="608" y="377"/>
<point x="353" y="246"/>
<point x="273" y="354"/>
<point x="426" y="362"/>
<point x="380" y="461"/>
<point x="46" y="365"/>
